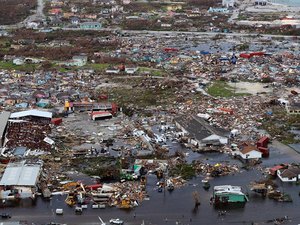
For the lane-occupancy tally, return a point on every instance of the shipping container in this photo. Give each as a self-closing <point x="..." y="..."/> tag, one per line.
<point x="263" y="142"/>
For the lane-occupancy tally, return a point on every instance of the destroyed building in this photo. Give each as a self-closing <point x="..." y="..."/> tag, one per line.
<point x="200" y="132"/>
<point x="293" y="108"/>
<point x="28" y="129"/>
<point x="290" y="174"/>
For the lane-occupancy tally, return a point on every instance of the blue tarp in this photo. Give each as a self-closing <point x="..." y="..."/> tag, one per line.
<point x="204" y="52"/>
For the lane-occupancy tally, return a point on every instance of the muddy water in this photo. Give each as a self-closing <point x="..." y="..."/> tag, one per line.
<point x="175" y="206"/>
<point x="178" y="206"/>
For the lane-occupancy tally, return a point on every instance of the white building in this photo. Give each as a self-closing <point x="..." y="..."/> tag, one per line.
<point x="291" y="174"/>
<point x="228" y="3"/>
<point x="131" y="70"/>
<point x="18" y="61"/>
<point x="249" y="152"/>
<point x="20" y="180"/>
<point x="260" y="2"/>
<point x="293" y="108"/>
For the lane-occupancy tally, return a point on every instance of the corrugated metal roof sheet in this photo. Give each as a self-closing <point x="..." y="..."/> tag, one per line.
<point x="4" y="116"/>
<point x="32" y="112"/>
<point x="21" y="174"/>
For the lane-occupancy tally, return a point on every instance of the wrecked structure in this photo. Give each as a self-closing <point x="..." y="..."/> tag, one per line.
<point x="20" y="180"/>
<point x="29" y="129"/>
<point x="201" y="133"/>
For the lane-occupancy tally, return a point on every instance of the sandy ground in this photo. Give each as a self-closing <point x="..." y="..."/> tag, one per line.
<point x="251" y="88"/>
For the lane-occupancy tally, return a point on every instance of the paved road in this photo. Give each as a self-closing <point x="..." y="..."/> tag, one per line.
<point x="286" y="150"/>
<point x="37" y="16"/>
<point x="175" y="33"/>
<point x="188" y="33"/>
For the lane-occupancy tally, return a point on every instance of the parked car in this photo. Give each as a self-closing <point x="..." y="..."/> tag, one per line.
<point x="59" y="211"/>
<point x="78" y="210"/>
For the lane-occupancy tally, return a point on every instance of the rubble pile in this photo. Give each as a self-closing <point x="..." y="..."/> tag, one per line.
<point x="128" y="194"/>
<point x="28" y="134"/>
<point x="215" y="170"/>
<point x="270" y="189"/>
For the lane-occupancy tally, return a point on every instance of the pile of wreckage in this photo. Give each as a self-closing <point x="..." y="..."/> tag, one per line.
<point x="215" y="170"/>
<point x="269" y="189"/>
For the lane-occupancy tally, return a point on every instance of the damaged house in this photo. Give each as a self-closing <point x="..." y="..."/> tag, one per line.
<point x="28" y="129"/>
<point x="248" y="151"/>
<point x="20" y="180"/>
<point x="201" y="133"/>
<point x="289" y="174"/>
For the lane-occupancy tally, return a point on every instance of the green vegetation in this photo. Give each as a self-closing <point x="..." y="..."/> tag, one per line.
<point x="63" y="70"/>
<point x="11" y="66"/>
<point x="151" y="71"/>
<point x="105" y="167"/>
<point x="139" y="97"/>
<point x="97" y="66"/>
<point x="222" y="89"/>
<point x="145" y="92"/>
<point x="242" y="17"/>
<point x="186" y="171"/>
<point x="4" y="45"/>
<point x="243" y="47"/>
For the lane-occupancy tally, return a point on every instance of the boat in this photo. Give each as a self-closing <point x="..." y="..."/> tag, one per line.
<point x="228" y="194"/>
<point x="116" y="221"/>
<point x="206" y="185"/>
<point x="78" y="210"/>
<point x="59" y="211"/>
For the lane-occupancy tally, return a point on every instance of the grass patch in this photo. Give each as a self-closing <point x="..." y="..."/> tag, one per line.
<point x="24" y="67"/>
<point x="186" y="171"/>
<point x="63" y="70"/>
<point x="151" y="71"/>
<point x="105" y="167"/>
<point x="222" y="89"/>
<point x="97" y="66"/>
<point x="137" y="97"/>
<point x="141" y="97"/>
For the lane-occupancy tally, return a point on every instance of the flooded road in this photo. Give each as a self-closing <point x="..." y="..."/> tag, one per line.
<point x="178" y="206"/>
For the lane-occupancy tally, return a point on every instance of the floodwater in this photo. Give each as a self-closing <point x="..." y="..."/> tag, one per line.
<point x="226" y="47"/>
<point x="178" y="206"/>
<point x="295" y="3"/>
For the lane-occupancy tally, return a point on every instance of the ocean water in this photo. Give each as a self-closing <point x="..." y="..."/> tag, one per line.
<point x="287" y="2"/>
